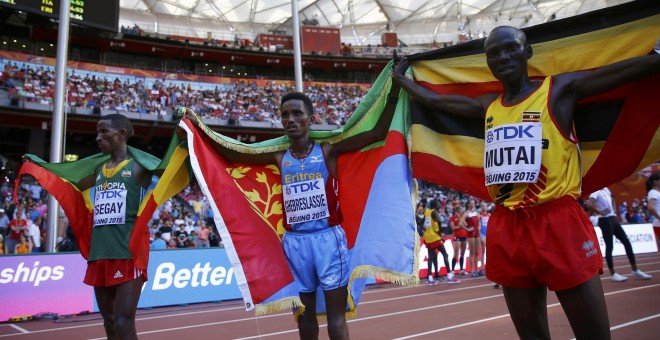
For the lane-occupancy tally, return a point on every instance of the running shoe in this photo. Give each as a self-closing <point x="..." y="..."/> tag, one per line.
<point x="431" y="281"/>
<point x="463" y="272"/>
<point x="453" y="281"/>
<point x="642" y="275"/>
<point x="474" y="274"/>
<point x="618" y="278"/>
<point x="481" y="273"/>
<point x="496" y="286"/>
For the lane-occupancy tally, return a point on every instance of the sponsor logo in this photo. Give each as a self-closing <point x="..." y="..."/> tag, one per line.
<point x="287" y="163"/>
<point x="167" y="275"/>
<point x="589" y="248"/>
<point x="126" y="173"/>
<point x="316" y="159"/>
<point x="511" y="132"/>
<point x="118" y="275"/>
<point x="37" y="274"/>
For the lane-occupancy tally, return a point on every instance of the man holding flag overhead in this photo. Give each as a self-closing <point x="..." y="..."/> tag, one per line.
<point x="315" y="243"/>
<point x="532" y="169"/>
<point x="109" y="198"/>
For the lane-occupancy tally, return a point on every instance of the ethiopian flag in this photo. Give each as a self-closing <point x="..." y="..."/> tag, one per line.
<point x="618" y="130"/>
<point x="375" y="193"/>
<point x="61" y="180"/>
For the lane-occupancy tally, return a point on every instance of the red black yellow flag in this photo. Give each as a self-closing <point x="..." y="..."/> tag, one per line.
<point x="618" y="130"/>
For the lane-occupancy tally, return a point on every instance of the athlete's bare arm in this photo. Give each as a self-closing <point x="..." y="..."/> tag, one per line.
<point x="454" y="104"/>
<point x="359" y="141"/>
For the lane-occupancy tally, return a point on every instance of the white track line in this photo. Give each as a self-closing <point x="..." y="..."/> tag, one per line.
<point x="286" y="313"/>
<point x="506" y="315"/>
<point x="20" y="329"/>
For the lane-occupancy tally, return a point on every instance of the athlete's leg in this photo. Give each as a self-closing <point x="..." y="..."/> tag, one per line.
<point x="432" y="261"/>
<point x="126" y="301"/>
<point x="474" y="253"/>
<point x="335" y="303"/>
<point x="606" y="228"/>
<point x="462" y="257"/>
<point x="105" y="298"/>
<point x="456" y="245"/>
<point x="482" y="255"/>
<point x="620" y="234"/>
<point x="308" y="326"/>
<point x="586" y="310"/>
<point x="527" y="307"/>
<point x="445" y="257"/>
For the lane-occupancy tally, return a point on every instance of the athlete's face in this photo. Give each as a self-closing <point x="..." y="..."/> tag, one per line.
<point x="483" y="206"/>
<point x="295" y="118"/>
<point x="108" y="137"/>
<point x="506" y="54"/>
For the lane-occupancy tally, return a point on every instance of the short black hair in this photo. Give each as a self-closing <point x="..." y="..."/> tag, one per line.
<point x="120" y="121"/>
<point x="307" y="102"/>
<point x="517" y="31"/>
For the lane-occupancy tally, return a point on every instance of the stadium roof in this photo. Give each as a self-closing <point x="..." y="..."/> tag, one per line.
<point x="361" y="21"/>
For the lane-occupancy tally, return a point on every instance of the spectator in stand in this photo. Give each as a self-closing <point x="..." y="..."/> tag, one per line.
<point x="18" y="226"/>
<point x="4" y="222"/>
<point x="214" y="239"/>
<point x="35" y="190"/>
<point x="24" y="246"/>
<point x="623" y="209"/>
<point x="632" y="215"/>
<point x="2" y="244"/>
<point x="204" y="236"/>
<point x="166" y="230"/>
<point x="158" y="242"/>
<point x="34" y="235"/>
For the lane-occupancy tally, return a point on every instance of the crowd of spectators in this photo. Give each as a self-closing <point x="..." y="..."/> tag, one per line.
<point x="186" y="220"/>
<point x="243" y="101"/>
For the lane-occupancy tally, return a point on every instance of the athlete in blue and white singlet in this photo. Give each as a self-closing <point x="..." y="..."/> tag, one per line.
<point x="314" y="243"/>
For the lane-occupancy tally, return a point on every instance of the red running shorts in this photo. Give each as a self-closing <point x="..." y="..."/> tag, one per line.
<point x="552" y="245"/>
<point x="103" y="273"/>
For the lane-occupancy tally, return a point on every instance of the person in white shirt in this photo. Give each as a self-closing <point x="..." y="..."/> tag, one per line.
<point x="602" y="203"/>
<point x="653" y="202"/>
<point x="34" y="235"/>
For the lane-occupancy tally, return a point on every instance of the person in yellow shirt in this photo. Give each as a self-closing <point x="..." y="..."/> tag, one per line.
<point x="434" y="244"/>
<point x="24" y="247"/>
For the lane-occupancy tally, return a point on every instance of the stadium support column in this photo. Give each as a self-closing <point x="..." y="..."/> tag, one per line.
<point x="297" y="59"/>
<point x="59" y="117"/>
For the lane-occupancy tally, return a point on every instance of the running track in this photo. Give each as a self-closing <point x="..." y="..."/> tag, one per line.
<point x="470" y="310"/>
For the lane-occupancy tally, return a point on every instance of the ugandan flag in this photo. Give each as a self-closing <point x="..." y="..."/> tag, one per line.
<point x="618" y="130"/>
<point x="61" y="180"/>
<point x="375" y="193"/>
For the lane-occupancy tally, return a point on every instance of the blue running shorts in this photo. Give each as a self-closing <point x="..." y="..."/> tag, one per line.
<point x="318" y="258"/>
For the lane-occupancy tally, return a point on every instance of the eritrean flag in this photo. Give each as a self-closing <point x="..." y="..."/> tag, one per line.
<point x="618" y="130"/>
<point x="375" y="193"/>
<point x="61" y="180"/>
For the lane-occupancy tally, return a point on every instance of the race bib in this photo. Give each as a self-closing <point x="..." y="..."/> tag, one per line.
<point x="513" y="153"/>
<point x="110" y="207"/>
<point x="427" y="222"/>
<point x="305" y="201"/>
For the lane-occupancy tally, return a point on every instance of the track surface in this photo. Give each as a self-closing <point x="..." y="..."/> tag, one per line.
<point x="470" y="310"/>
